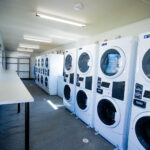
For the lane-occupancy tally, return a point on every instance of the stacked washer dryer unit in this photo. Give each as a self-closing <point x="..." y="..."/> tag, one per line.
<point x="86" y="70"/>
<point x="36" y="70"/>
<point x="46" y="73"/>
<point x="42" y="72"/>
<point x="54" y="68"/>
<point x="139" y="133"/>
<point x="70" y="79"/>
<point x="115" y="78"/>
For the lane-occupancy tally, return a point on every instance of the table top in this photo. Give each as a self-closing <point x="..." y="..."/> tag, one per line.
<point x="12" y="89"/>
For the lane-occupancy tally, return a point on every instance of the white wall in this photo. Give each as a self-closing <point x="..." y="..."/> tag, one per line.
<point x="133" y="29"/>
<point x="24" y="55"/>
<point x="2" y="53"/>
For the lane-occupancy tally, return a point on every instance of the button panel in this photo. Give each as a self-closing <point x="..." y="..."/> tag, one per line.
<point x="138" y="91"/>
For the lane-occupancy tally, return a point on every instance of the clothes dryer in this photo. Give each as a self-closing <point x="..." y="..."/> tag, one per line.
<point x="86" y="68"/>
<point x="139" y="133"/>
<point x="70" y="79"/>
<point x="116" y="63"/>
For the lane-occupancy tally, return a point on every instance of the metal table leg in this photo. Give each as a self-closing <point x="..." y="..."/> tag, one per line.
<point x="27" y="132"/>
<point x="18" y="107"/>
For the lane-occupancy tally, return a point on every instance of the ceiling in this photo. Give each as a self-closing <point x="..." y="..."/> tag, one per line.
<point x="17" y="17"/>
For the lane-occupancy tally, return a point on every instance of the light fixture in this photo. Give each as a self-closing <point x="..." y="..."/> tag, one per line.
<point x="29" y="46"/>
<point x="25" y="50"/>
<point x="78" y="6"/>
<point x="63" y="37"/>
<point x="58" y="19"/>
<point x="37" y="39"/>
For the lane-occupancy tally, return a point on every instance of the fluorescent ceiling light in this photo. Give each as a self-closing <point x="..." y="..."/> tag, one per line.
<point x="29" y="46"/>
<point x="24" y="50"/>
<point x="63" y="37"/>
<point x="54" y="18"/>
<point x="38" y="39"/>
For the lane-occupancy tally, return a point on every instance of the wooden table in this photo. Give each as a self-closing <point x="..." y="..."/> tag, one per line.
<point x="12" y="91"/>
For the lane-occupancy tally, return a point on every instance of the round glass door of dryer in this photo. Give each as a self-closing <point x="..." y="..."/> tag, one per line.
<point x="110" y="62"/>
<point x="46" y="81"/>
<point x="142" y="130"/>
<point x="46" y="62"/>
<point x="106" y="112"/>
<point x="67" y="92"/>
<point x="82" y="99"/>
<point x="42" y="79"/>
<point x="83" y="62"/>
<point x="42" y="62"/>
<point x="146" y="64"/>
<point x="68" y="62"/>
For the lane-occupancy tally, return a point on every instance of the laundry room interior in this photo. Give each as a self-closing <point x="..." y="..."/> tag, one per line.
<point x="74" y="74"/>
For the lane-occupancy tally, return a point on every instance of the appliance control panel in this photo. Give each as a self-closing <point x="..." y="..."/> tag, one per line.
<point x="103" y="87"/>
<point x="85" y="82"/>
<point x="138" y="91"/>
<point x="139" y="95"/>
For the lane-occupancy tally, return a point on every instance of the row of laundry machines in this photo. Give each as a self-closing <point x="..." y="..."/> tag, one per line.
<point x="47" y="69"/>
<point x="107" y="86"/>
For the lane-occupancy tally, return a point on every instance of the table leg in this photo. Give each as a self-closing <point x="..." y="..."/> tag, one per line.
<point x="18" y="107"/>
<point x="27" y="132"/>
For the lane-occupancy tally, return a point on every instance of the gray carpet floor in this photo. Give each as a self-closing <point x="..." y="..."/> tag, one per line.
<point x="50" y="129"/>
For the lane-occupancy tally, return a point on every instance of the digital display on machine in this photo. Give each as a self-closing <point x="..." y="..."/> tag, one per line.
<point x="147" y="94"/>
<point x="105" y="84"/>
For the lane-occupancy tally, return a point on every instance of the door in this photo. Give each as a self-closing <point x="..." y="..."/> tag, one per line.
<point x="84" y="62"/>
<point x="112" y="62"/>
<point x="146" y="64"/>
<point x="142" y="131"/>
<point x="108" y="112"/>
<point x="82" y="100"/>
<point x="67" y="92"/>
<point x="68" y="62"/>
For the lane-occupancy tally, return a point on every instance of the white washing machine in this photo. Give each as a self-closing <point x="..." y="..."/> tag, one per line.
<point x="69" y="79"/>
<point x="86" y="69"/>
<point x="36" y="70"/>
<point x="139" y="133"/>
<point x="116" y="63"/>
<point x="42" y="72"/>
<point x="54" y="68"/>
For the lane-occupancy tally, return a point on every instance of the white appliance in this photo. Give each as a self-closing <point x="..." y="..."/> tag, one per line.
<point x="70" y="79"/>
<point x="139" y="133"/>
<point x="53" y="69"/>
<point x="42" y="72"/>
<point x="36" y="70"/>
<point x="86" y="69"/>
<point x="60" y="86"/>
<point x="116" y="63"/>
